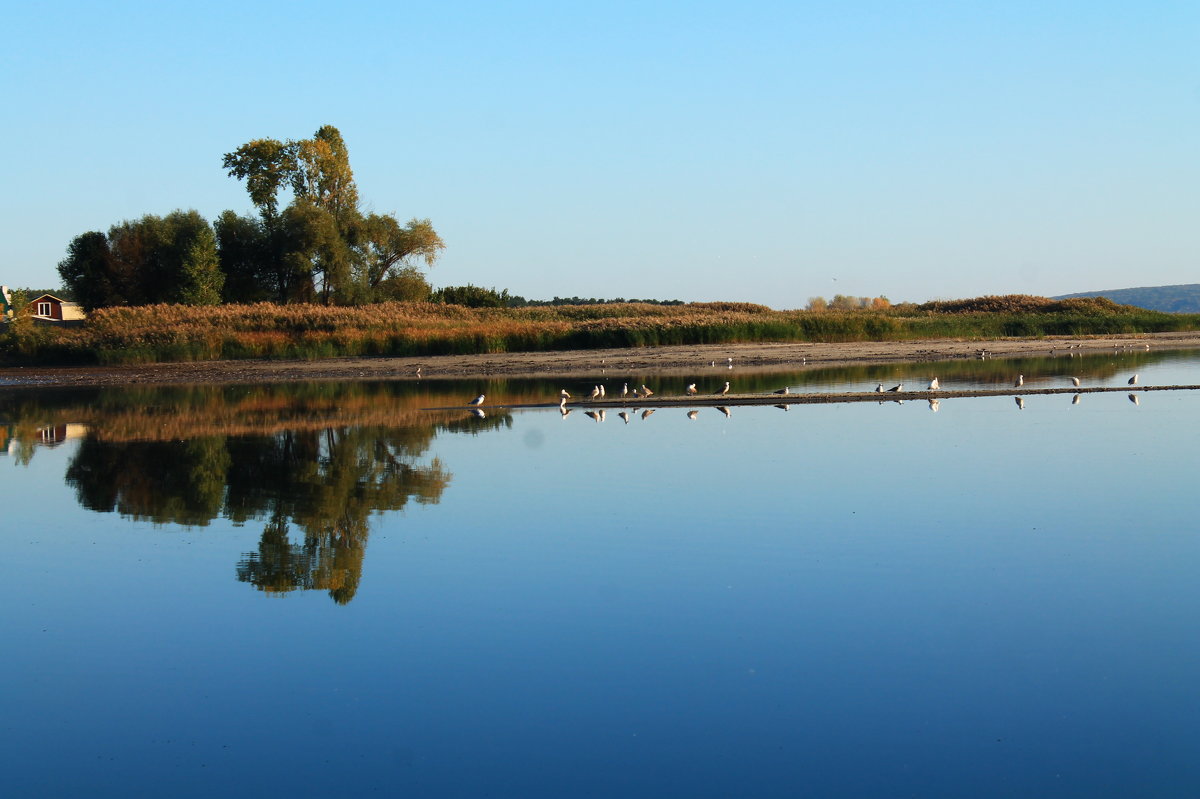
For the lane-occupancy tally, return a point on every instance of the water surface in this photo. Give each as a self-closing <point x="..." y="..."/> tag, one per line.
<point x="325" y="589"/>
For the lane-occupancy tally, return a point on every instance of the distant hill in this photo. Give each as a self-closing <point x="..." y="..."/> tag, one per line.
<point x="1173" y="299"/>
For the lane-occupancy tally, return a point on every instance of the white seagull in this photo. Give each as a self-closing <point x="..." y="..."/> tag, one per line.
<point x="725" y="390"/>
<point x="1075" y="382"/>
<point x="1133" y="380"/>
<point x="624" y="391"/>
<point x="691" y="389"/>
<point x="1020" y="381"/>
<point x="897" y="388"/>
<point x="933" y="384"/>
<point x="595" y="391"/>
<point x="477" y="401"/>
<point x="879" y="388"/>
<point x="602" y="391"/>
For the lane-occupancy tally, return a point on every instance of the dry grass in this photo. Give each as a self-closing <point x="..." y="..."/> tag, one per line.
<point x="181" y="333"/>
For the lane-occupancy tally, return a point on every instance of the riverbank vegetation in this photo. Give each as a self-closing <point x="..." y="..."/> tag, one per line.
<point x="160" y="333"/>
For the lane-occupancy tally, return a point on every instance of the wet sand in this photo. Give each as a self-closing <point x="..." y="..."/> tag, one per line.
<point x="584" y="363"/>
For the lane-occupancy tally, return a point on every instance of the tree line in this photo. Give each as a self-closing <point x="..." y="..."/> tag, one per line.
<point x="319" y="247"/>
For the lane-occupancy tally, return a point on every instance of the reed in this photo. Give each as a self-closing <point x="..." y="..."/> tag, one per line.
<point x="157" y="333"/>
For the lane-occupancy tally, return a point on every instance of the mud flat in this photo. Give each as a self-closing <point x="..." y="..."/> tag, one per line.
<point x="580" y="363"/>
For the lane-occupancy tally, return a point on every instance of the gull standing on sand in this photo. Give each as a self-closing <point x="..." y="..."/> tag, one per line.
<point x="624" y="390"/>
<point x="477" y="401"/>
<point x="725" y="390"/>
<point x="1075" y="382"/>
<point x="601" y="391"/>
<point x="897" y="388"/>
<point x="645" y="391"/>
<point x="595" y="391"/>
<point x="784" y="390"/>
<point x="934" y="385"/>
<point x="1020" y="381"/>
<point x="879" y="388"/>
<point x="1133" y="380"/>
<point x="691" y="389"/>
<point x="564" y="395"/>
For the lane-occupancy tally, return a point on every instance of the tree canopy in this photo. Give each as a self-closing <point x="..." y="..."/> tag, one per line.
<point x="309" y="241"/>
<point x="320" y="246"/>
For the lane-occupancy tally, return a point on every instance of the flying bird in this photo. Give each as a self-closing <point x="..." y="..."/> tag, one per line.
<point x="477" y="401"/>
<point x="934" y="385"/>
<point x="1133" y="380"/>
<point x="1020" y="381"/>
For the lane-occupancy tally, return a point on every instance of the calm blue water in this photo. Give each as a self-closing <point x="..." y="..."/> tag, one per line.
<point x="842" y="600"/>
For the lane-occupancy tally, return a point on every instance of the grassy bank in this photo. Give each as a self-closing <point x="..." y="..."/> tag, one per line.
<point x="159" y="333"/>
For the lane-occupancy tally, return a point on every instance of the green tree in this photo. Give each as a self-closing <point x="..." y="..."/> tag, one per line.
<point x="321" y="245"/>
<point x="90" y="272"/>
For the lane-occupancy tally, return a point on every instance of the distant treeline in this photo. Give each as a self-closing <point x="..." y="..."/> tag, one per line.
<point x="265" y="330"/>
<point x="1183" y="298"/>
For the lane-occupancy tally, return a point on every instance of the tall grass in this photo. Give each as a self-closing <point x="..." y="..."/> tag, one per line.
<point x="157" y="333"/>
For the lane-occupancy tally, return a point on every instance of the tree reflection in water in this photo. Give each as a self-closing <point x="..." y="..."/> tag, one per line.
<point x="316" y="486"/>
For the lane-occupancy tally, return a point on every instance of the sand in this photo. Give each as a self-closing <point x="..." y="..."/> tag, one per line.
<point x="583" y="363"/>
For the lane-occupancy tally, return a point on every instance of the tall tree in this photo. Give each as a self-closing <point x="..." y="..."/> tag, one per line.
<point x="89" y="271"/>
<point x="321" y="238"/>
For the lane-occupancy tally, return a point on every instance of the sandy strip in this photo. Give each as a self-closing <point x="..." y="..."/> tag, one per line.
<point x="584" y="363"/>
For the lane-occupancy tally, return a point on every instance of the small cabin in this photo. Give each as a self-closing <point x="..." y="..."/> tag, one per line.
<point x="48" y="308"/>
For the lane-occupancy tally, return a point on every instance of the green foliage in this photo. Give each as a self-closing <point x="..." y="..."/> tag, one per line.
<point x="321" y="246"/>
<point x="149" y="260"/>
<point x="471" y="296"/>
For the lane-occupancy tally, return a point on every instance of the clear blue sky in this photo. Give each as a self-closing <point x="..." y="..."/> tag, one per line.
<point x="761" y="151"/>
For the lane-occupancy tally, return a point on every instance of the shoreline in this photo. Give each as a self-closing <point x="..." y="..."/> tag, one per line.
<point x="584" y="363"/>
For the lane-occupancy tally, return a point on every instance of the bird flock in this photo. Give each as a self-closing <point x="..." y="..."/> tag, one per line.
<point x="642" y="391"/>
